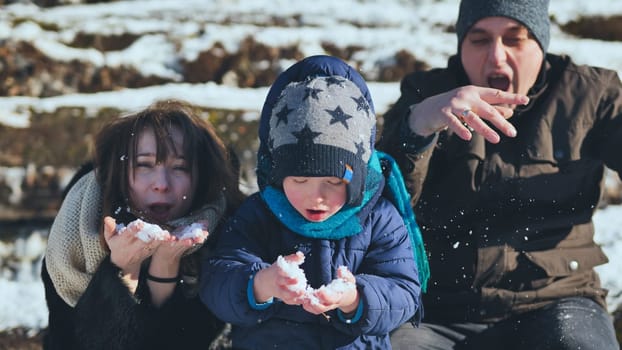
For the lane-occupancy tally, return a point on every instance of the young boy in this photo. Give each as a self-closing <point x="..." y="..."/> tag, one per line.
<point x="319" y="259"/>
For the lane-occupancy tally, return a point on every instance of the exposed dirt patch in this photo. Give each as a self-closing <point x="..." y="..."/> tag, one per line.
<point x="20" y="339"/>
<point x="596" y="27"/>
<point x="253" y="65"/>
<point x="27" y="71"/>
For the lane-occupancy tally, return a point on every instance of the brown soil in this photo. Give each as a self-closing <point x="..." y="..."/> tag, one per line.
<point x="20" y="339"/>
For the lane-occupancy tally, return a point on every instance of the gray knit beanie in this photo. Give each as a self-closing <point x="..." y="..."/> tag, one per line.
<point x="322" y="126"/>
<point x="534" y="14"/>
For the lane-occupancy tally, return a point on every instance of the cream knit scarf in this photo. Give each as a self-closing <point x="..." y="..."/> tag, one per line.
<point x="74" y="251"/>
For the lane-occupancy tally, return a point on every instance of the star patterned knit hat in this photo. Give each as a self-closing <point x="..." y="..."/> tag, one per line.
<point x="533" y="14"/>
<point x="322" y="126"/>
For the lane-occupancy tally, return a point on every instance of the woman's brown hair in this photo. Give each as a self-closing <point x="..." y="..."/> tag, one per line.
<point x="116" y="145"/>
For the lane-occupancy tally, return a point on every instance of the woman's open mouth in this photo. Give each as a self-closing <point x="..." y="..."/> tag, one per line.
<point x="160" y="212"/>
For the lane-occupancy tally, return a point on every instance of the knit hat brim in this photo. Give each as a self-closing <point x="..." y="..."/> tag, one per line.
<point x="533" y="14"/>
<point x="319" y="160"/>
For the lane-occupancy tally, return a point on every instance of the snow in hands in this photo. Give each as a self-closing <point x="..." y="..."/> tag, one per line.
<point x="292" y="268"/>
<point x="147" y="232"/>
<point x="191" y="231"/>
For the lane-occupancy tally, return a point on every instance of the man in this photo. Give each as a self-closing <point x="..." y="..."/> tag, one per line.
<point x="504" y="152"/>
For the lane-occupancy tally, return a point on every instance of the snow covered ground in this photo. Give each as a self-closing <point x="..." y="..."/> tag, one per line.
<point x="413" y="25"/>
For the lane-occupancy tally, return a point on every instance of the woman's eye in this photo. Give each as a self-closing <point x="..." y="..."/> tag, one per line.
<point x="180" y="165"/>
<point x="144" y="165"/>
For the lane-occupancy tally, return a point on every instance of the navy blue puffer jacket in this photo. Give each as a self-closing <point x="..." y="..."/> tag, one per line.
<point x="380" y="257"/>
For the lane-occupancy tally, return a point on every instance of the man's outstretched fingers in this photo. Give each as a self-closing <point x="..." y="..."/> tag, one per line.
<point x="496" y="96"/>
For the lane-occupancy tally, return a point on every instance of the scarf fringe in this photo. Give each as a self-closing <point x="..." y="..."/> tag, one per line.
<point x="401" y="200"/>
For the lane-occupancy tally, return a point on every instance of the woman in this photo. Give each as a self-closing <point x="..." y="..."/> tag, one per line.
<point x="108" y="286"/>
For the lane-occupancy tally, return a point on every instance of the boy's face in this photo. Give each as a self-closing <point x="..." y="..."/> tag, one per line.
<point x="499" y="52"/>
<point x="315" y="198"/>
<point x="161" y="191"/>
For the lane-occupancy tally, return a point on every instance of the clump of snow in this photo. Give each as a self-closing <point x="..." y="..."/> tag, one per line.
<point x="191" y="231"/>
<point x="336" y="286"/>
<point x="145" y="231"/>
<point x="293" y="270"/>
